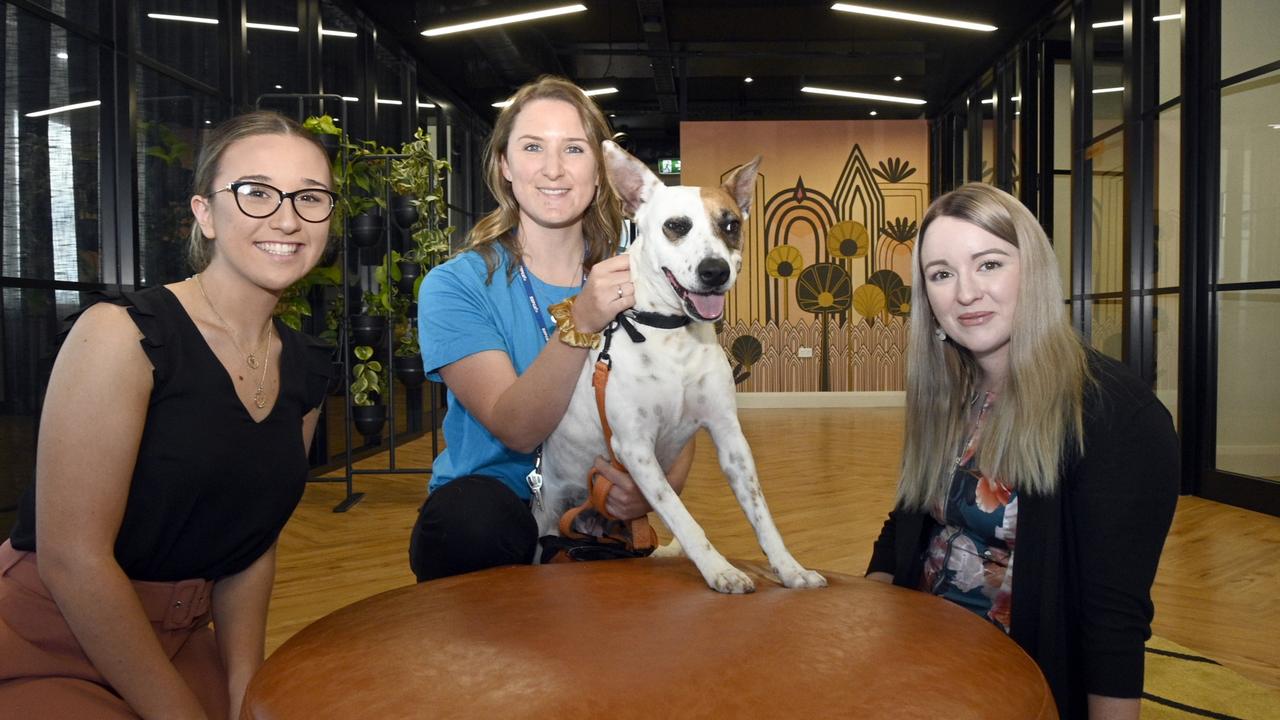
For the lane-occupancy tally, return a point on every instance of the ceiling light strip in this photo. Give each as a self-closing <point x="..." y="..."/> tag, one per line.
<point x="862" y="95"/>
<point x="588" y="93"/>
<point x="183" y="18"/>
<point x="338" y="33"/>
<point x="913" y="17"/>
<point x="268" y="26"/>
<point x="504" y="20"/>
<point x="64" y="108"/>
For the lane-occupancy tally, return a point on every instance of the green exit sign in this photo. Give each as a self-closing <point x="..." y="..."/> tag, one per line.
<point x="669" y="166"/>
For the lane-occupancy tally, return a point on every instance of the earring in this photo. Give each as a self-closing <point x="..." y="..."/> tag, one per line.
<point x="939" y="334"/>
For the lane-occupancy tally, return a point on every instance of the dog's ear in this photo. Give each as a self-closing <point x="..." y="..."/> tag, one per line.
<point x="741" y="183"/>
<point x="631" y="179"/>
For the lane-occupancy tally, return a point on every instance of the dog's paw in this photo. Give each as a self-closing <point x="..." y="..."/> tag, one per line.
<point x="801" y="578"/>
<point x="732" y="581"/>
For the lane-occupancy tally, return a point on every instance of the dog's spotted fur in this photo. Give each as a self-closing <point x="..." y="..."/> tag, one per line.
<point x="661" y="391"/>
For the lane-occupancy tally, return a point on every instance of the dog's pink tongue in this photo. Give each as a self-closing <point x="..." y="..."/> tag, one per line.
<point x="708" y="306"/>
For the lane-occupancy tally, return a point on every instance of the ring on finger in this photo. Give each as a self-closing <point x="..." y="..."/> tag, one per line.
<point x="619" y="292"/>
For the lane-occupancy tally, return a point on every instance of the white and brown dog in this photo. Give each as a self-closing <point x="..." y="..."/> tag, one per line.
<point x="661" y="390"/>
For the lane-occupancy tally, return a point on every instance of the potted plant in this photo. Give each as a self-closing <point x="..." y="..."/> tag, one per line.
<point x="360" y="183"/>
<point x="422" y="177"/>
<point x="407" y="363"/>
<point x="367" y="411"/>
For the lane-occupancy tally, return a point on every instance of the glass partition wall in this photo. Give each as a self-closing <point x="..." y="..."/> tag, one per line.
<point x="1160" y="203"/>
<point x="104" y="106"/>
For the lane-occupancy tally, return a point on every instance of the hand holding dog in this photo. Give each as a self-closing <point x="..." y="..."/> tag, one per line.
<point x="608" y="291"/>
<point x="625" y="501"/>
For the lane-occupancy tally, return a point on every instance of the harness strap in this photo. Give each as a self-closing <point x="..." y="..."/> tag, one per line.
<point x="642" y="535"/>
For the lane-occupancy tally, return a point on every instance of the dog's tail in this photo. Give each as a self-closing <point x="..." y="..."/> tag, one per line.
<point x="671" y="549"/>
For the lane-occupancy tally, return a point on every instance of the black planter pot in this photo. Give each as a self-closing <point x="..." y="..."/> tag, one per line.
<point x="369" y="419"/>
<point x="409" y="272"/>
<point x="367" y="329"/>
<point x="404" y="212"/>
<point x="366" y="228"/>
<point x="408" y="370"/>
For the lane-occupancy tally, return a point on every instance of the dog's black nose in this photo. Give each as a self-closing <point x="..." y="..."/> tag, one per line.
<point x="713" y="272"/>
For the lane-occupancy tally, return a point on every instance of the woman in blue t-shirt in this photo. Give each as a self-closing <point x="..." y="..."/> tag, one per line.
<point x="486" y="333"/>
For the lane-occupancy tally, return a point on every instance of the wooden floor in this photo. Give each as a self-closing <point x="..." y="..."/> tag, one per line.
<point x="828" y="475"/>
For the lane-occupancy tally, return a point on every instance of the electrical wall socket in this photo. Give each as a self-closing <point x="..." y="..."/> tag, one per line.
<point x="804" y="352"/>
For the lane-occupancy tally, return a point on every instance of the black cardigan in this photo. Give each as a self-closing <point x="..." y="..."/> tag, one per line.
<point x="1085" y="556"/>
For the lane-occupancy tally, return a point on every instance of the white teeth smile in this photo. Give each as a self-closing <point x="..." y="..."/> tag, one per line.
<point x="278" y="248"/>
<point x="553" y="191"/>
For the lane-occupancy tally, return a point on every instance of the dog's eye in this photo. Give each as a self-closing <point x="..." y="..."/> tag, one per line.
<point x="678" y="226"/>
<point x="730" y="227"/>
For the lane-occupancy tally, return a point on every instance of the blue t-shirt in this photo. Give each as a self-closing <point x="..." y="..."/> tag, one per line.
<point x="459" y="315"/>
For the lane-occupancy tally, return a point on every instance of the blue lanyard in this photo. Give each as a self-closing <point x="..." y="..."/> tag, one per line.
<point x="534" y="307"/>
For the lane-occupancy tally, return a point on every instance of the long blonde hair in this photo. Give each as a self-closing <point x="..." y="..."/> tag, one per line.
<point x="602" y="225"/>
<point x="1038" y="415"/>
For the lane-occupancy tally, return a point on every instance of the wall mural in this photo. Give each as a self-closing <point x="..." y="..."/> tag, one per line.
<point x="823" y="297"/>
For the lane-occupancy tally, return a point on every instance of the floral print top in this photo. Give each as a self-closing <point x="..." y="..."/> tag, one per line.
<point x="969" y="558"/>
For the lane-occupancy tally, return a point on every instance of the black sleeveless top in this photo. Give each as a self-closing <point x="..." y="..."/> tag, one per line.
<point x="212" y="488"/>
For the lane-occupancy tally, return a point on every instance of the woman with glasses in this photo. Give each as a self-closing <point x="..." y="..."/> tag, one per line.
<point x="172" y="449"/>
<point x="1039" y="477"/>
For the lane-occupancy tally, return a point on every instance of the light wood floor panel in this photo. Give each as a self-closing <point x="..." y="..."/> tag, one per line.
<point x="828" y="475"/>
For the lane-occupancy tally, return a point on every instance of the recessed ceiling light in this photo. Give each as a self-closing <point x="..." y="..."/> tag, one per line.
<point x="348" y="98"/>
<point x="874" y="113"/>
<point x="862" y="95"/>
<point x="912" y="17"/>
<point x="504" y="20"/>
<point x="748" y="79"/>
<point x="65" y="108"/>
<point x="279" y="87"/>
<point x="208" y="122"/>
<point x="897" y="78"/>
<point x="989" y="101"/>
<point x="62" y="56"/>
<point x="613" y="115"/>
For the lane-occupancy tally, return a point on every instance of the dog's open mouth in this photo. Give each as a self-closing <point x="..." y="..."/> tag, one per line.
<point x="703" y="306"/>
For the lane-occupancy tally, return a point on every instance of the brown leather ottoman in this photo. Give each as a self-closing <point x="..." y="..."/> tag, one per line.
<point x="646" y="639"/>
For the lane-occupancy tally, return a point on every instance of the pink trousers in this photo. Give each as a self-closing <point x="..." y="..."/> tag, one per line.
<point x="45" y="674"/>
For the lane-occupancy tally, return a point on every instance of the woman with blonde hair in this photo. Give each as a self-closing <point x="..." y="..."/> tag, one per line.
<point x="487" y="335"/>
<point x="1023" y="443"/>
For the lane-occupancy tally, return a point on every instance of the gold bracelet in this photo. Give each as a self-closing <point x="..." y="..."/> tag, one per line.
<point x="569" y="335"/>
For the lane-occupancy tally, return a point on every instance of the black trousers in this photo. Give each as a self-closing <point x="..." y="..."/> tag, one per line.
<point x="468" y="524"/>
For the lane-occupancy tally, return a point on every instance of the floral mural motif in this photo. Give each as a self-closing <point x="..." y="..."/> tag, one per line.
<point x="869" y="302"/>
<point x="894" y="170"/>
<point x="746" y="351"/>
<point x="848" y="239"/>
<point x="824" y="289"/>
<point x="899" y="230"/>
<point x="783" y="263"/>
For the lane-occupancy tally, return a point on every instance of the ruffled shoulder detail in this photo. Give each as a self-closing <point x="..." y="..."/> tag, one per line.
<point x="317" y="360"/>
<point x="148" y="310"/>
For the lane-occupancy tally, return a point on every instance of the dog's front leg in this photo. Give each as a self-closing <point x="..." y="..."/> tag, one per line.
<point x="739" y="466"/>
<point x="642" y="464"/>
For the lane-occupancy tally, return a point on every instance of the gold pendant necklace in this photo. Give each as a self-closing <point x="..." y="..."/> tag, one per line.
<point x="250" y="358"/>
<point x="259" y="393"/>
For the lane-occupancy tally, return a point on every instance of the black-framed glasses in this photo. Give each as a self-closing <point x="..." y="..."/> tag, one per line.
<point x="260" y="200"/>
